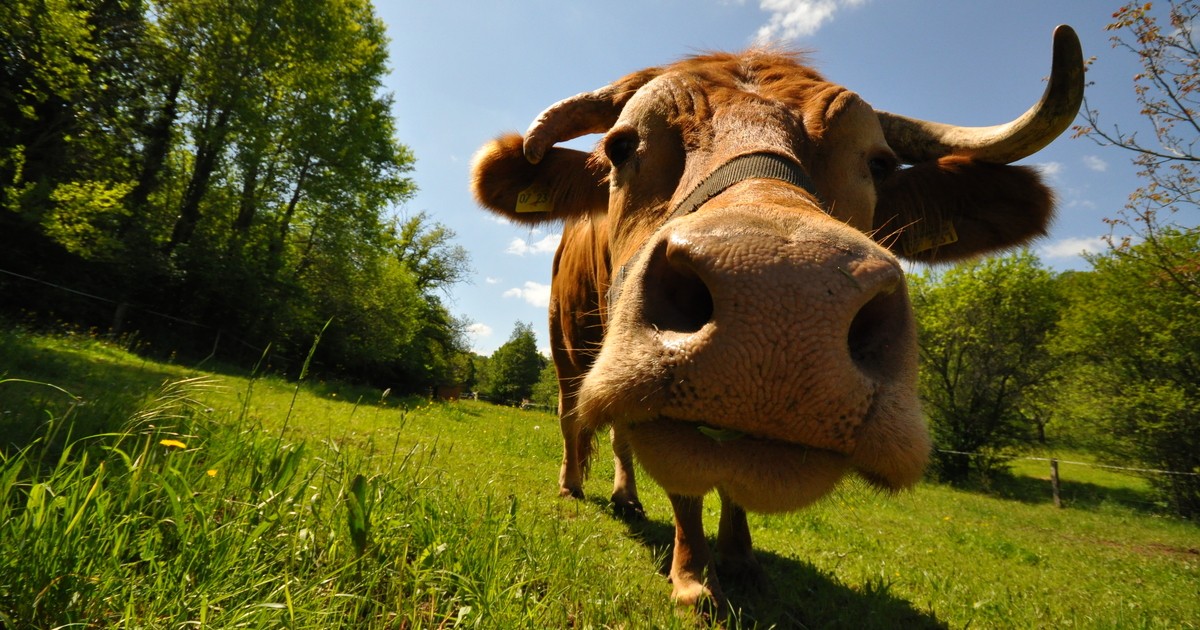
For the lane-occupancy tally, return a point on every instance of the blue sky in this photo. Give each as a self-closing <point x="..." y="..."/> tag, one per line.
<point x="464" y="72"/>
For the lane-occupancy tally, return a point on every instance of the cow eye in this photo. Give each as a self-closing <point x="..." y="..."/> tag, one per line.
<point x="620" y="145"/>
<point x="881" y="166"/>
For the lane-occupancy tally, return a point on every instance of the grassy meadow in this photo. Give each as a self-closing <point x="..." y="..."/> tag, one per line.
<point x="142" y="494"/>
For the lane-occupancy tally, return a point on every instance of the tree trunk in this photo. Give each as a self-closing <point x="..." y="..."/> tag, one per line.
<point x="158" y="146"/>
<point x="208" y="156"/>
<point x="248" y="204"/>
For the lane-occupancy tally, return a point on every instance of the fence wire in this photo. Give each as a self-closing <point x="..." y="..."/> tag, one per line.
<point x="1088" y="464"/>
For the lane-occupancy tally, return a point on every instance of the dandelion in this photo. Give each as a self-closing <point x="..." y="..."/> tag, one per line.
<point x="212" y="472"/>
<point x="172" y="443"/>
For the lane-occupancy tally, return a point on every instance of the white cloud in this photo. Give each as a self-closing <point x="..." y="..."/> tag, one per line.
<point x="534" y="293"/>
<point x="491" y="280"/>
<point x="1072" y="247"/>
<point x="479" y="331"/>
<point x="792" y="19"/>
<point x="1095" y="163"/>
<point x="547" y="245"/>
<point x="1051" y="169"/>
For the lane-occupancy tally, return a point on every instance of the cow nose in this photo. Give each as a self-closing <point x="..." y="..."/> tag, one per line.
<point x="880" y="321"/>
<point x="676" y="299"/>
<point x="766" y="295"/>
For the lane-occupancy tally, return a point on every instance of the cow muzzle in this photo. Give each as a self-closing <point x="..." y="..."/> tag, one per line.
<point x="766" y="324"/>
<point x="774" y="328"/>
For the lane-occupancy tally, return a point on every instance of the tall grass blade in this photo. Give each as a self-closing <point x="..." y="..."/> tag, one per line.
<point x="357" y="514"/>
<point x="86" y="499"/>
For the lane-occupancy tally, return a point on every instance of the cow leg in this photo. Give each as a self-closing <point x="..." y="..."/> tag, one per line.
<point x="570" y="477"/>
<point x="692" y="576"/>
<point x="735" y="556"/>
<point x="624" y="497"/>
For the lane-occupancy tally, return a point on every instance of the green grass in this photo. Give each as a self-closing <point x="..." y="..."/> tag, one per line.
<point x="330" y="506"/>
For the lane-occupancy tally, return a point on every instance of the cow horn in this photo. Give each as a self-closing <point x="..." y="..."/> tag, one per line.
<point x="589" y="112"/>
<point x="918" y="140"/>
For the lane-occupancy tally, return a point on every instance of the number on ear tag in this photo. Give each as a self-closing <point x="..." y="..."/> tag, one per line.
<point x="930" y="240"/>
<point x="534" y="199"/>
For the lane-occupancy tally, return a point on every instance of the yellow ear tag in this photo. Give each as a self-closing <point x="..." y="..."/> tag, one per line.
<point x="929" y="241"/>
<point x="534" y="199"/>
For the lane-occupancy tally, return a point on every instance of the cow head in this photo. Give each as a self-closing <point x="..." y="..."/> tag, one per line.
<point x="736" y="234"/>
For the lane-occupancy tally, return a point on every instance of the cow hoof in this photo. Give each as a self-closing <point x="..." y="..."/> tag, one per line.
<point x="628" y="509"/>
<point x="570" y="493"/>
<point x="698" y="598"/>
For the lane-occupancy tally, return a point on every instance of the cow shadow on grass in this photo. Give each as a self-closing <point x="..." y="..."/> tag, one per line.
<point x="794" y="594"/>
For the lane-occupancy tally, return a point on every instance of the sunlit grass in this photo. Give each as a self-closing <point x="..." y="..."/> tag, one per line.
<point x="193" y="501"/>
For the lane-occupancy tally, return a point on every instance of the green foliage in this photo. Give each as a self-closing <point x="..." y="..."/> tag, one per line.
<point x="229" y="164"/>
<point x="428" y="251"/>
<point x="515" y="367"/>
<point x="982" y="328"/>
<point x="85" y="218"/>
<point x="545" y="391"/>
<point x="1132" y="326"/>
<point x="47" y="50"/>
<point x="1133" y="333"/>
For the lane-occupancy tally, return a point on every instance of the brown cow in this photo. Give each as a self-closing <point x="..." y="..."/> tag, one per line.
<point x="727" y="294"/>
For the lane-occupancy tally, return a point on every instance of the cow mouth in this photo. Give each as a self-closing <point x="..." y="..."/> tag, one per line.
<point x="772" y="472"/>
<point x="758" y="473"/>
<point x="719" y="436"/>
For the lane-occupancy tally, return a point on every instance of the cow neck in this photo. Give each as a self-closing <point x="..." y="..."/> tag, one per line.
<point x="739" y="169"/>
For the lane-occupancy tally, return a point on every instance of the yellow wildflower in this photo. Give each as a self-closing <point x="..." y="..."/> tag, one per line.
<point x="212" y="472"/>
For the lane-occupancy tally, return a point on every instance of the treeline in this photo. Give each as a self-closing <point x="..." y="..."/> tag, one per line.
<point x="219" y="174"/>
<point x="1106" y="360"/>
<point x="517" y="373"/>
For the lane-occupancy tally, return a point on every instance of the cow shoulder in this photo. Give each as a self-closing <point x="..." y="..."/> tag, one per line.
<point x="957" y="207"/>
<point x="564" y="184"/>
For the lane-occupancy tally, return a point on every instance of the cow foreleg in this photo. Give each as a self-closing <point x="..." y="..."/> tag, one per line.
<point x="624" y="497"/>
<point x="735" y="556"/>
<point x="692" y="576"/>
<point x="577" y="445"/>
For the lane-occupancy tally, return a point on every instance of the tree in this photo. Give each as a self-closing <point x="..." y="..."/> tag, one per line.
<point x="982" y="328"/>
<point x="47" y="54"/>
<point x="224" y="171"/>
<point x="545" y="391"/>
<point x="1135" y="331"/>
<point x="1168" y="91"/>
<point x="515" y="367"/>
<point x="1133" y="338"/>
<point x="427" y="249"/>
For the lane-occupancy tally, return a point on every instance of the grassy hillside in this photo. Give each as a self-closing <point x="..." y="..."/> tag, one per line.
<point x="144" y="494"/>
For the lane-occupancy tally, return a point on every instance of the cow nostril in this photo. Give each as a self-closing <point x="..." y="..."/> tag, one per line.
<point x="877" y="332"/>
<point x="676" y="299"/>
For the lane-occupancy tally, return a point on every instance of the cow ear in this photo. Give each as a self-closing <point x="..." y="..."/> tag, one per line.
<point x="564" y="184"/>
<point x="957" y="207"/>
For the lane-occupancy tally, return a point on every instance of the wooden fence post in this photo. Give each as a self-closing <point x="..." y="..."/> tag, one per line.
<point x="1054" y="482"/>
